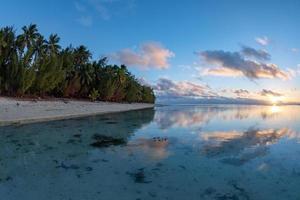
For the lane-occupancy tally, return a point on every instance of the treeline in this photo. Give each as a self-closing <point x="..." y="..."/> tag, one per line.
<point x="31" y="65"/>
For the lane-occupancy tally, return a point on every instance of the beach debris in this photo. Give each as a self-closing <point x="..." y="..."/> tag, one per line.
<point x="106" y="141"/>
<point x="159" y="139"/>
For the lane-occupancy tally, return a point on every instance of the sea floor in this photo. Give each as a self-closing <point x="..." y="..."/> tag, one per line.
<point x="171" y="152"/>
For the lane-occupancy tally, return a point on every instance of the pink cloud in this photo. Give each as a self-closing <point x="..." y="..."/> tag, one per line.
<point x="167" y="87"/>
<point x="149" y="55"/>
<point x="235" y="64"/>
<point x="221" y="71"/>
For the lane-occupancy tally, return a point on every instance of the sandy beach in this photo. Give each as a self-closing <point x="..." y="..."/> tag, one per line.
<point x="15" y="111"/>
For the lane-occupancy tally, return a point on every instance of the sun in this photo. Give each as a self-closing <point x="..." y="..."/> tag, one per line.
<point x="275" y="100"/>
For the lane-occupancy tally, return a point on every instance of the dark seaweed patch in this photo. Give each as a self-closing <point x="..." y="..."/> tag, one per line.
<point x="139" y="176"/>
<point x="106" y="141"/>
<point x="62" y="165"/>
<point x="77" y="135"/>
<point x="242" y="192"/>
<point x="74" y="141"/>
<point x="8" y="178"/>
<point x="89" y="169"/>
<point x="152" y="194"/>
<point x="182" y="167"/>
<point x="111" y="122"/>
<point x="228" y="197"/>
<point x="105" y="119"/>
<point x="208" y="192"/>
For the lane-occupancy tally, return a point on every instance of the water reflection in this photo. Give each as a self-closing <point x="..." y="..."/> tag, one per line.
<point x="186" y="116"/>
<point x="207" y="152"/>
<point x="241" y="147"/>
<point x="154" y="149"/>
<point x="178" y="116"/>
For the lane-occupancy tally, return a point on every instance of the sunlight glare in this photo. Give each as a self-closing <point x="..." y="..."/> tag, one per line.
<point x="275" y="100"/>
<point x="275" y="109"/>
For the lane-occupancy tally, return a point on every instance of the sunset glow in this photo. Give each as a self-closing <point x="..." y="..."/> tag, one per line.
<point x="275" y="109"/>
<point x="142" y="99"/>
<point x="275" y="100"/>
<point x="255" y="62"/>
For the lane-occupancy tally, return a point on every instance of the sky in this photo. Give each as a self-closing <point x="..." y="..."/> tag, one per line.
<point x="185" y="49"/>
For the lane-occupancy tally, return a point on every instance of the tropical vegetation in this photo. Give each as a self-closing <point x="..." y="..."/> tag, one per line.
<point x="31" y="65"/>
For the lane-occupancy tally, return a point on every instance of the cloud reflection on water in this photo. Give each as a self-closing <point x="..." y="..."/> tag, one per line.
<point x="215" y="151"/>
<point x="187" y="116"/>
<point x="152" y="148"/>
<point x="234" y="134"/>
<point x="237" y="148"/>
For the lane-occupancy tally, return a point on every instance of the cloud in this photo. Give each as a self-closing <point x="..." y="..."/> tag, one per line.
<point x="264" y="41"/>
<point x="253" y="53"/>
<point x="149" y="55"/>
<point x="86" y="21"/>
<point x="241" y="92"/>
<point x="101" y="6"/>
<point x="144" y="82"/>
<point x="295" y="50"/>
<point x="234" y="64"/>
<point x="266" y="92"/>
<point x="167" y="87"/>
<point x="85" y="18"/>
<point x="90" y="10"/>
<point x="221" y="71"/>
<point x="79" y="7"/>
<point x="292" y="72"/>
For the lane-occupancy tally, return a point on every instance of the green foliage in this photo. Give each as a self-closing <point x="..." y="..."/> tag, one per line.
<point x="94" y="95"/>
<point x="49" y="74"/>
<point x="32" y="65"/>
<point x="148" y="95"/>
<point x="133" y="92"/>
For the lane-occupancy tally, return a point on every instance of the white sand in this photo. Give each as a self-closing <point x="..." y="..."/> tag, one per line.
<point x="25" y="111"/>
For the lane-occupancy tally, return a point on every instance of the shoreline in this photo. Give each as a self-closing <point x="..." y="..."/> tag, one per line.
<point x="23" y="111"/>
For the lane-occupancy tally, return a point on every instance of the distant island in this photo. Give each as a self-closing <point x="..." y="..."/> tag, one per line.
<point x="32" y="66"/>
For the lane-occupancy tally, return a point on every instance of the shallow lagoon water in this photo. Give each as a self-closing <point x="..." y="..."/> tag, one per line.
<point x="171" y="152"/>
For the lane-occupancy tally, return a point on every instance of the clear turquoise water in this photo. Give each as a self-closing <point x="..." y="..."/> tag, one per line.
<point x="171" y="152"/>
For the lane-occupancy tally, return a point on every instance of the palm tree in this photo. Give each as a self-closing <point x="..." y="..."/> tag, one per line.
<point x="40" y="46"/>
<point x="52" y="44"/>
<point x="122" y="73"/>
<point x="27" y="39"/>
<point x="31" y="65"/>
<point x="86" y="77"/>
<point x="7" y="47"/>
<point x="82" y="55"/>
